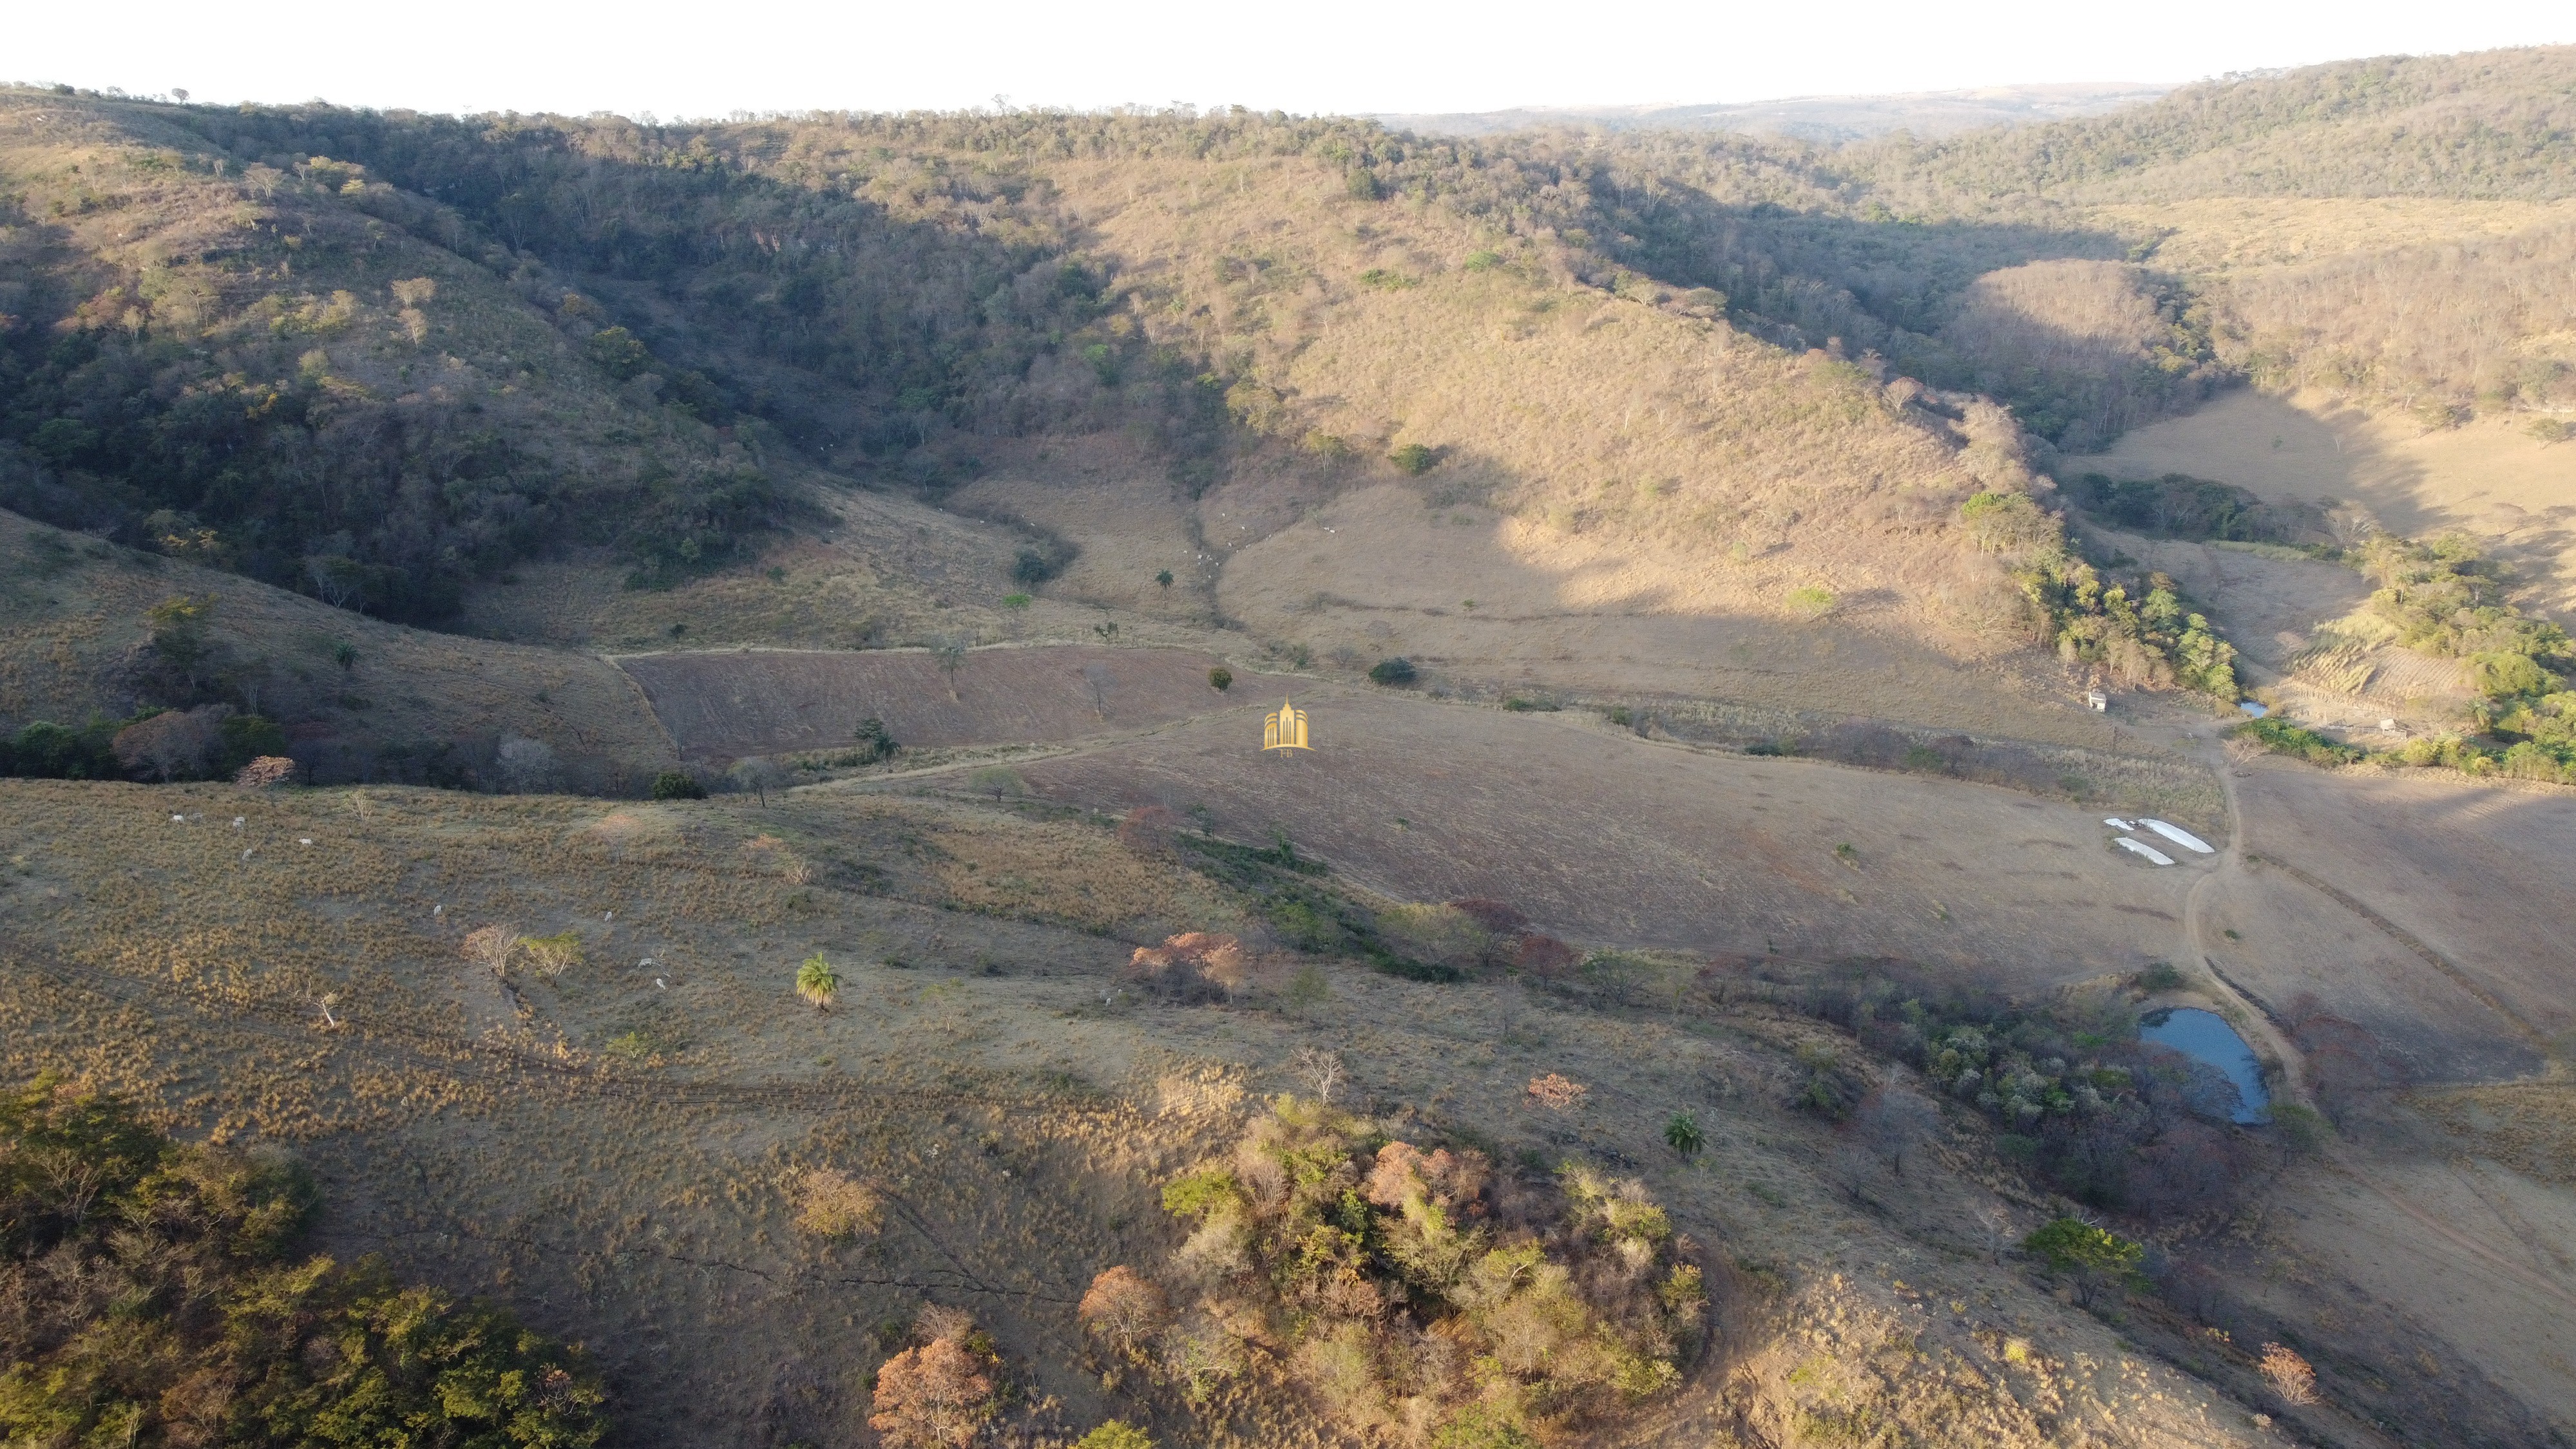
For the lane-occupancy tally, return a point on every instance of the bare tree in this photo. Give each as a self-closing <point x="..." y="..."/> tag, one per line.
<point x="527" y="766"/>
<point x="1124" y="1307"/>
<point x="758" y="774"/>
<point x="1995" y="1226"/>
<point x="337" y="581"/>
<point x="1891" y="1124"/>
<point x="1319" y="1069"/>
<point x="171" y="745"/>
<point x="491" y="947"/>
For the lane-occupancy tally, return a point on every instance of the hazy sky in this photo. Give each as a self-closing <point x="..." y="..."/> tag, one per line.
<point x="702" y="59"/>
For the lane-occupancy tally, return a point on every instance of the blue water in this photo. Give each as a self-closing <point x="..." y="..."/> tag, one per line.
<point x="2206" y="1037"/>
<point x="2258" y="710"/>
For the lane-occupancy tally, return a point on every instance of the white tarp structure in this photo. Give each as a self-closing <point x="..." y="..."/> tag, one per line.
<point x="2116" y="823"/>
<point x="2154" y="855"/>
<point x="2179" y="836"/>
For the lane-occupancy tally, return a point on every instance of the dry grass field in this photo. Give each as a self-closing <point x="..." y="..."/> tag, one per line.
<point x="723" y="705"/>
<point x="2466" y="889"/>
<point x="1712" y="853"/>
<point x="72" y="616"/>
<point x="883" y="569"/>
<point x="2224" y="234"/>
<point x="2488" y="479"/>
<point x="606" y="1147"/>
<point x="1621" y="435"/>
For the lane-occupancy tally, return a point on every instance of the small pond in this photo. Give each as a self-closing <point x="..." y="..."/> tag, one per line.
<point x="2256" y="708"/>
<point x="2206" y="1037"/>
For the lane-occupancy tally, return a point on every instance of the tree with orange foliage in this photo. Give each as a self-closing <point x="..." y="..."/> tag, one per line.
<point x="931" y="1397"/>
<point x="1124" y="1307"/>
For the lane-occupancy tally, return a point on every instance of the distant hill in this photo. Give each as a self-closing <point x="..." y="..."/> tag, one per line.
<point x="589" y="381"/>
<point x="1822" y="119"/>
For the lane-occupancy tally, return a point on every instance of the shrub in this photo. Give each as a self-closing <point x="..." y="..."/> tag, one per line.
<point x="1033" y="567"/>
<point x="832" y="1205"/>
<point x="1116" y="1434"/>
<point x="1391" y="672"/>
<point x="1482" y="260"/>
<point x="2289" y="1374"/>
<point x="1221" y="679"/>
<point x="1386" y="1272"/>
<point x="2089" y="1256"/>
<point x="1557" y="1092"/>
<point x="553" y="955"/>
<point x="1831" y="1089"/>
<point x="1811" y="603"/>
<point x="2005" y="522"/>
<point x="2284" y="738"/>
<point x="145" y="1272"/>
<point x="1413" y="459"/>
<point x="1192" y="966"/>
<point x="1148" y="830"/>
<point x="677" y="785"/>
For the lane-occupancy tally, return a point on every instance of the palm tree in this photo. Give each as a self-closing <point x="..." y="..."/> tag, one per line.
<point x="817" y="982"/>
<point x="1683" y="1134"/>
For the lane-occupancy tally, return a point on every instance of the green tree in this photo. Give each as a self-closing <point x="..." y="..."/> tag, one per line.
<point x="244" y="738"/>
<point x="1413" y="459"/>
<point x="758" y="775"/>
<point x="2087" y="1256"/>
<point x="1116" y="1434"/>
<point x="179" y="634"/>
<point x="619" y="353"/>
<point x="1164" y="578"/>
<point x="817" y="982"/>
<point x="1483" y="1427"/>
<point x="677" y="785"/>
<point x="875" y="743"/>
<point x="1221" y="679"/>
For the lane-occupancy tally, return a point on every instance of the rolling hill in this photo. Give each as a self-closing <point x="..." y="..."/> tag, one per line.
<point x="769" y="620"/>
